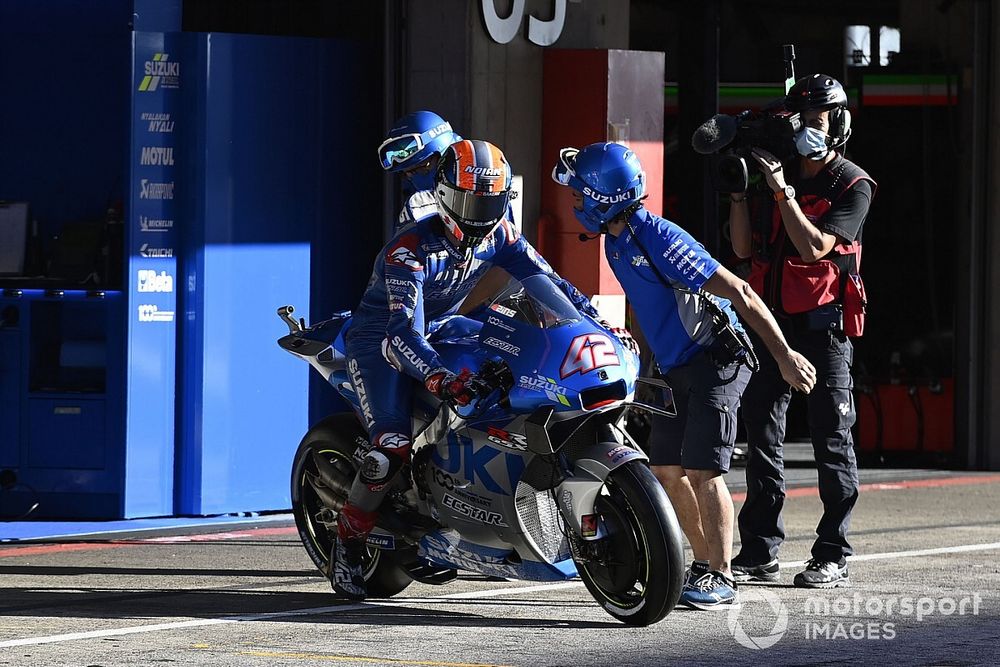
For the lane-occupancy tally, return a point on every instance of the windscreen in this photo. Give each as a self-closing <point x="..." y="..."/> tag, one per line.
<point x="538" y="302"/>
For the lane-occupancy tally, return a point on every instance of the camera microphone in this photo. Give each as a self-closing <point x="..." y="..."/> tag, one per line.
<point x="714" y="134"/>
<point x="584" y="238"/>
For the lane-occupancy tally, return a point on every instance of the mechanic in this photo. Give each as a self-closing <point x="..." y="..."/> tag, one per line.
<point x="803" y="237"/>
<point x="684" y="302"/>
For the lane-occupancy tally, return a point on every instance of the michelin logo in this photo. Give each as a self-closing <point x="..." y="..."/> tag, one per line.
<point x="148" y="224"/>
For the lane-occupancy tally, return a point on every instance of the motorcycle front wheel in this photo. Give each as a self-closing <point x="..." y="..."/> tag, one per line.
<point x="333" y="441"/>
<point x="636" y="571"/>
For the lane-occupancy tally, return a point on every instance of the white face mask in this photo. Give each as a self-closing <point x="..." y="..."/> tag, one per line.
<point x="811" y="143"/>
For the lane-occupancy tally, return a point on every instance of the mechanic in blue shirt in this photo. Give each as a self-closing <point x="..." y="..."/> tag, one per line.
<point x="684" y="302"/>
<point x="422" y="275"/>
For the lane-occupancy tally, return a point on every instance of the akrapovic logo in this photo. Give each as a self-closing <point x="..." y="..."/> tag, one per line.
<point x="359" y="388"/>
<point x="160" y="72"/>
<point x="157" y="156"/>
<point x="488" y="172"/>
<point x="158" y="122"/>
<point x="419" y="364"/>
<point x="608" y="199"/>
<point x="150" y="190"/>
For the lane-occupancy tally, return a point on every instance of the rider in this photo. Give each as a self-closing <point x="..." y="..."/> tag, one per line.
<point x="686" y="303"/>
<point x="421" y="275"/>
<point x="414" y="146"/>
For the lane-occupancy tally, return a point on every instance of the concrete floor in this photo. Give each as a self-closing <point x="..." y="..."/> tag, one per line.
<point x="250" y="596"/>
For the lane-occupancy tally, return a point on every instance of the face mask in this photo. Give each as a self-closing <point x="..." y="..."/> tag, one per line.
<point x="422" y="181"/>
<point x="811" y="143"/>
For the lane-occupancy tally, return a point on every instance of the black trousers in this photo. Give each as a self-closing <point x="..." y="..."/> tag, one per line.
<point x="831" y="415"/>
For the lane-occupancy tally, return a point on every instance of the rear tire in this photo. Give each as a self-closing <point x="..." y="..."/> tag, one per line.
<point x="336" y="438"/>
<point x="640" y="571"/>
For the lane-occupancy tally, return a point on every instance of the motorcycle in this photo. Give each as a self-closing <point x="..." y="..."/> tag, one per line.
<point x="536" y="479"/>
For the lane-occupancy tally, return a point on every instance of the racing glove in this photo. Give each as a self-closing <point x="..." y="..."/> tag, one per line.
<point x="459" y="389"/>
<point x="622" y="335"/>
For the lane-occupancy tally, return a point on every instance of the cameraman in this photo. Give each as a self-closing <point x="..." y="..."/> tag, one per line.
<point x="803" y="237"/>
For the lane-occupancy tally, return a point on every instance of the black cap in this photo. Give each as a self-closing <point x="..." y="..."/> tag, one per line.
<point x="817" y="91"/>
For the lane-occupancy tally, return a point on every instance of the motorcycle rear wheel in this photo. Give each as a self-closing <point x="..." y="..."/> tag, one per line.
<point x="639" y="574"/>
<point x="335" y="439"/>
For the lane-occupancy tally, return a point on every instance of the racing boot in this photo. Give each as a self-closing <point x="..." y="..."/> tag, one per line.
<point x="347" y="568"/>
<point x="347" y="555"/>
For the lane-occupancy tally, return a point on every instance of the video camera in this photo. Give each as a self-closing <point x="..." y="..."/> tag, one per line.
<point x="731" y="138"/>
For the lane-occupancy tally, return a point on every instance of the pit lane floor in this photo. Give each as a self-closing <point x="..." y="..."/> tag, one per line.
<point x="926" y="591"/>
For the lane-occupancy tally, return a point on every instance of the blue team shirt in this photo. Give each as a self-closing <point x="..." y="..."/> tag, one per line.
<point x="676" y="323"/>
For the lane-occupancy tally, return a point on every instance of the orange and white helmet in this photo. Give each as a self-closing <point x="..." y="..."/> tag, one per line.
<point x="472" y="189"/>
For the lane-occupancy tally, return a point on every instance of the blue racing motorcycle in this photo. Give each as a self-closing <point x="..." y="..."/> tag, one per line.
<point x="536" y="479"/>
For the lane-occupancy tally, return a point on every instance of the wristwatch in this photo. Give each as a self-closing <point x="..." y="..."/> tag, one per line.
<point x="785" y="193"/>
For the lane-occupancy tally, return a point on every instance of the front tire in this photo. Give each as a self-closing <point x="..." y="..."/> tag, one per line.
<point x="636" y="571"/>
<point x="335" y="440"/>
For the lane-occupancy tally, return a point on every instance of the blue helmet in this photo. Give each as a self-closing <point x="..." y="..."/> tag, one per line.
<point x="609" y="177"/>
<point x="413" y="140"/>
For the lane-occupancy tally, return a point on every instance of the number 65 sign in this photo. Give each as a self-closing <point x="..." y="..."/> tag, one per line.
<point x="542" y="33"/>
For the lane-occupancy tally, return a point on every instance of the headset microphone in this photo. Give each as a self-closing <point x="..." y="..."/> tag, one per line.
<point x="584" y="237"/>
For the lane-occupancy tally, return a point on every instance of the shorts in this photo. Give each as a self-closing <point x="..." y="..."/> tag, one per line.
<point x="702" y="435"/>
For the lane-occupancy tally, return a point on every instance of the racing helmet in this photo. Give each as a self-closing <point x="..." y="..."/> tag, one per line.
<point x="414" y="139"/>
<point x="819" y="92"/>
<point x="472" y="190"/>
<point x="607" y="175"/>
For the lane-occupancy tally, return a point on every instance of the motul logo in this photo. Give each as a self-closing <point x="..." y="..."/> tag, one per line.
<point x="588" y="352"/>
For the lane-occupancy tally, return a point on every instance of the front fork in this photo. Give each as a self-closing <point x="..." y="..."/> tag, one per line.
<point x="577" y="493"/>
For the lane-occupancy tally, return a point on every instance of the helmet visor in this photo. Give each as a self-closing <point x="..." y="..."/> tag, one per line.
<point x="399" y="149"/>
<point x="474" y="207"/>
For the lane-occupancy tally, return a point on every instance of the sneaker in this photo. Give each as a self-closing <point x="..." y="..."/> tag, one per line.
<point x="713" y="590"/>
<point x="694" y="572"/>
<point x="823" y="574"/>
<point x="768" y="572"/>
<point x="347" y="568"/>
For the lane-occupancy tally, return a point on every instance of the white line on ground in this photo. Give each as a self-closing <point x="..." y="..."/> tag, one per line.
<point x="113" y="632"/>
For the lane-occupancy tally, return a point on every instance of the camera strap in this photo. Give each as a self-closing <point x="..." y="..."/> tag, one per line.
<point x="722" y="324"/>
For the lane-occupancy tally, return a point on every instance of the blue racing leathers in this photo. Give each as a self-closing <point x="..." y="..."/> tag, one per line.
<point x="674" y="320"/>
<point x="418" y="277"/>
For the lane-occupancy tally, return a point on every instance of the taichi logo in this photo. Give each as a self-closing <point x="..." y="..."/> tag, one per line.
<point x="146" y="251"/>
<point x="160" y="72"/>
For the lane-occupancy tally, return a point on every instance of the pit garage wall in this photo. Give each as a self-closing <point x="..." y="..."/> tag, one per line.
<point x="493" y="91"/>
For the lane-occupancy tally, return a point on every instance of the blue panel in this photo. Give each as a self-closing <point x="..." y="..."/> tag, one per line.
<point x="10" y="392"/>
<point x="67" y="433"/>
<point x="157" y="15"/>
<point x="152" y="302"/>
<point x="261" y="193"/>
